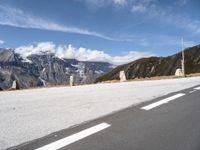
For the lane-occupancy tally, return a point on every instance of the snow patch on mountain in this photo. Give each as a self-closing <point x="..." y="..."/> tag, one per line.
<point x="99" y="71"/>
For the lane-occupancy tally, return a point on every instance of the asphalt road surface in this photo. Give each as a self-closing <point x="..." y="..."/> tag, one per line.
<point x="170" y="122"/>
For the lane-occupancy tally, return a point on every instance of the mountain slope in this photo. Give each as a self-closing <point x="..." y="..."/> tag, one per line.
<point x="157" y="66"/>
<point x="46" y="69"/>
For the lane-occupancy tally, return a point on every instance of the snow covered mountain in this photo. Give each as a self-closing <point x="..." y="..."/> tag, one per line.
<point x="45" y="69"/>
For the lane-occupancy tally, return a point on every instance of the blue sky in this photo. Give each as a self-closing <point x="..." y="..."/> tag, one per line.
<point x="117" y="31"/>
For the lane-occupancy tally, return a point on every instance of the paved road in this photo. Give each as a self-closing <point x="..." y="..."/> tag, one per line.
<point x="26" y="115"/>
<point x="170" y="122"/>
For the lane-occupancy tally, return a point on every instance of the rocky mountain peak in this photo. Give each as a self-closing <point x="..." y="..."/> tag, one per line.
<point x="7" y="55"/>
<point x="45" y="69"/>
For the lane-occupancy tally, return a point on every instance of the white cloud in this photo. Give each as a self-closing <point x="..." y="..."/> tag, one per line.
<point x="18" y="18"/>
<point x="2" y="42"/>
<point x="120" y="2"/>
<point x="131" y="56"/>
<point x="138" y="8"/>
<point x="152" y="9"/>
<point x="167" y="14"/>
<point x="180" y="21"/>
<point x="38" y="49"/>
<point x="142" y="6"/>
<point x="100" y="3"/>
<point x="81" y="54"/>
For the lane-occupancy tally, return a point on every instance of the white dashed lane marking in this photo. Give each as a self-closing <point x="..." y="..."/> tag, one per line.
<point x="75" y="137"/>
<point x="192" y="91"/>
<point x="164" y="101"/>
<point x="197" y="88"/>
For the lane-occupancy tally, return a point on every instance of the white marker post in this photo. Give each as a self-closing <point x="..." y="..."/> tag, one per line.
<point x="14" y="85"/>
<point x="71" y="81"/>
<point x="183" y="58"/>
<point x="122" y="76"/>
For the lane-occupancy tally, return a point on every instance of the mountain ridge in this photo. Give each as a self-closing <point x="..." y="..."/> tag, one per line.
<point x="156" y="66"/>
<point x="46" y="69"/>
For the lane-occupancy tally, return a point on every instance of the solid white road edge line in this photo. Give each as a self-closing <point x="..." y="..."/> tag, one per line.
<point x="192" y="91"/>
<point x="75" y="137"/>
<point x="153" y="105"/>
<point x="197" y="88"/>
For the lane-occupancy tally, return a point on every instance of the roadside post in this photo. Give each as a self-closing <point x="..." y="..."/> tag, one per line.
<point x="14" y="85"/>
<point x="183" y="58"/>
<point x="71" y="80"/>
<point x="122" y="76"/>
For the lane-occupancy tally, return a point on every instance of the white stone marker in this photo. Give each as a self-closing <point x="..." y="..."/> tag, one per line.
<point x="179" y="72"/>
<point x="122" y="76"/>
<point x="14" y="85"/>
<point x="71" y="81"/>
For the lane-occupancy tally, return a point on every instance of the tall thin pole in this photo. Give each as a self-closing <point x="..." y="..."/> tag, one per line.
<point x="183" y="58"/>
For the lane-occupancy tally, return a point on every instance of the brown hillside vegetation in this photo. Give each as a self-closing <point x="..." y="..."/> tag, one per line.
<point x="157" y="66"/>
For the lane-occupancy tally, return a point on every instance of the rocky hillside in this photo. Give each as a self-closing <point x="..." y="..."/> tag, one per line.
<point x="46" y="69"/>
<point x="157" y="66"/>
